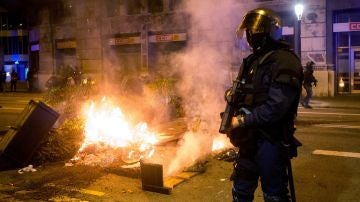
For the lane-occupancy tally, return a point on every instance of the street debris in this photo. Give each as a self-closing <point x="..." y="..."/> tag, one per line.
<point x="135" y="165"/>
<point x="28" y="168"/>
<point x="228" y="155"/>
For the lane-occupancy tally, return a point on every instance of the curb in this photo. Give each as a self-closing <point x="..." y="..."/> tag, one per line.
<point x="335" y="104"/>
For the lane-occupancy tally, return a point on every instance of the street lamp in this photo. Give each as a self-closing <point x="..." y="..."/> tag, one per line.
<point x="299" y="8"/>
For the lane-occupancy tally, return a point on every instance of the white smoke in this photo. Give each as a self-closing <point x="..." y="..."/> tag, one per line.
<point x="204" y="68"/>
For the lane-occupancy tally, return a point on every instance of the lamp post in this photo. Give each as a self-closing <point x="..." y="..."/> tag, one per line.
<point x="299" y="8"/>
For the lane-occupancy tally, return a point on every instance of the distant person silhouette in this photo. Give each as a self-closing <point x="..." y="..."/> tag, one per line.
<point x="30" y="80"/>
<point x="2" y="80"/>
<point x="309" y="81"/>
<point x="14" y="79"/>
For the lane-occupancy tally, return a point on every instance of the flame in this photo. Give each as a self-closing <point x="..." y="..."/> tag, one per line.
<point x="106" y="124"/>
<point x="220" y="142"/>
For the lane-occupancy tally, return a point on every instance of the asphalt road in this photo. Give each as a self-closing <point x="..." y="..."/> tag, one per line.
<point x="12" y="104"/>
<point x="327" y="168"/>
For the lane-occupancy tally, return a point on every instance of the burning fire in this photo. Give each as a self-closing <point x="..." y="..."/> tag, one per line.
<point x="106" y="125"/>
<point x="220" y="142"/>
<point x="109" y="135"/>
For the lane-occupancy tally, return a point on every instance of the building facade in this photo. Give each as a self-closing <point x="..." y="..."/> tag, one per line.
<point x="14" y="45"/>
<point x="112" y="38"/>
<point x="108" y="38"/>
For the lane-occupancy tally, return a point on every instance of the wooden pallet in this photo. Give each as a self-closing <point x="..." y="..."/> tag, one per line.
<point x="173" y="181"/>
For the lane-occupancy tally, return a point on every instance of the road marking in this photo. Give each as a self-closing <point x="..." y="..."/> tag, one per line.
<point x="336" y="153"/>
<point x="329" y="113"/>
<point x="65" y="198"/>
<point x="92" y="192"/>
<point x="12" y="108"/>
<point x="337" y="126"/>
<point x="83" y="191"/>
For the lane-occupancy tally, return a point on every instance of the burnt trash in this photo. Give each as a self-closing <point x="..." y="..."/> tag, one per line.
<point x="20" y="142"/>
<point x="228" y="155"/>
<point x="199" y="166"/>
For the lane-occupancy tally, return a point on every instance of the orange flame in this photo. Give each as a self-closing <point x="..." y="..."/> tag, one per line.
<point x="220" y="142"/>
<point x="106" y="124"/>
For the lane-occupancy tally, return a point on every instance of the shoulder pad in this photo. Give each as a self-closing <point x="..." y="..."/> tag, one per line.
<point x="286" y="68"/>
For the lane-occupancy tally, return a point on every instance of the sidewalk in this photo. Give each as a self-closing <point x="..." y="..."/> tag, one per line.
<point x="338" y="101"/>
<point x="21" y="86"/>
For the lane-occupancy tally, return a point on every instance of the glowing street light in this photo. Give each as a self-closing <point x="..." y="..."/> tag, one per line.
<point x="299" y="8"/>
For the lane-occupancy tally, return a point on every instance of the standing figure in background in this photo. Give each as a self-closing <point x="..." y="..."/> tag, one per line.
<point x="2" y="80"/>
<point x="14" y="78"/>
<point x="309" y="81"/>
<point x="30" y="80"/>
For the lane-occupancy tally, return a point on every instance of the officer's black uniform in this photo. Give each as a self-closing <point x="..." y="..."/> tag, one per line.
<point x="309" y="80"/>
<point x="272" y="77"/>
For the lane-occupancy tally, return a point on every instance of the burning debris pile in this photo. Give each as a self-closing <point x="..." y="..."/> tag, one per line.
<point x="109" y="136"/>
<point x="93" y="132"/>
<point x="62" y="144"/>
<point x="113" y="132"/>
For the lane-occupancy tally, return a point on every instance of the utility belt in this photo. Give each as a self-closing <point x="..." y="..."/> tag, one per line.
<point x="247" y="138"/>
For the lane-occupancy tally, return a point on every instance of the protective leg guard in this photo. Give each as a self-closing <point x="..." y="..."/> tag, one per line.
<point x="268" y="198"/>
<point x="238" y="197"/>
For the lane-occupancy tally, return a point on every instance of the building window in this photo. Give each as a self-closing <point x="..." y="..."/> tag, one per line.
<point x="69" y="9"/>
<point x="113" y="7"/>
<point x="11" y="21"/>
<point x="175" y="4"/>
<point x="61" y="10"/>
<point x="134" y="7"/>
<point x="288" y="19"/>
<point x="15" y="45"/>
<point x="155" y="6"/>
<point x="344" y="16"/>
<point x="12" y="42"/>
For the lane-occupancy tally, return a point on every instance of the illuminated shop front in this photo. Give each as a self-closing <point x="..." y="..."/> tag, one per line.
<point x="65" y="55"/>
<point x="124" y="53"/>
<point x="162" y="48"/>
<point x="13" y="45"/>
<point x="347" y="55"/>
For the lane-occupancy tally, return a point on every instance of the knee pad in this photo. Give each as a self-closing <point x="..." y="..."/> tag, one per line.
<point x="282" y="198"/>
<point x="238" y="197"/>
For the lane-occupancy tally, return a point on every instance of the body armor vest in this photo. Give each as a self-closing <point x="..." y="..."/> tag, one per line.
<point x="254" y="87"/>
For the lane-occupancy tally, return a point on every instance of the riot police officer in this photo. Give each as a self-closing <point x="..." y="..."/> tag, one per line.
<point x="271" y="79"/>
<point x="309" y="81"/>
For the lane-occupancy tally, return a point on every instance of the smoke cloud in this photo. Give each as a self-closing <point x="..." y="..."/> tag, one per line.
<point x="204" y="68"/>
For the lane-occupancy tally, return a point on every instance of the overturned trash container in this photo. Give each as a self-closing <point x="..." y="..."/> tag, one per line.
<point x="21" y="141"/>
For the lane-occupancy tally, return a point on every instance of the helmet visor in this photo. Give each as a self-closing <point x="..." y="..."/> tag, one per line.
<point x="256" y="22"/>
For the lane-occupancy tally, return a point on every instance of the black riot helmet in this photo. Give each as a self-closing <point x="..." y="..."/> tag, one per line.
<point x="259" y="25"/>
